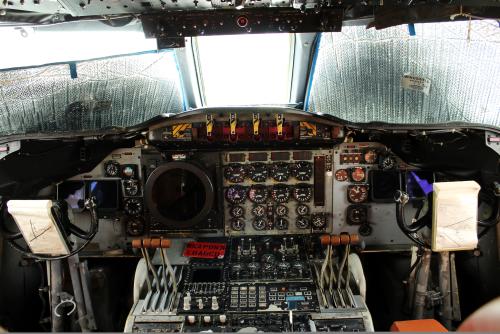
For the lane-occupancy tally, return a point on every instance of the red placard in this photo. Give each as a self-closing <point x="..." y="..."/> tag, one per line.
<point x="205" y="250"/>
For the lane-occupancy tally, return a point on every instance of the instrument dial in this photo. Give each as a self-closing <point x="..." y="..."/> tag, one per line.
<point x="258" y="172"/>
<point x="358" y="174"/>
<point x="237" y="267"/>
<point x="281" y="210"/>
<point x="302" y="170"/>
<point x="302" y="223"/>
<point x="370" y="156"/>
<point x="280" y="171"/>
<point x="356" y="214"/>
<point x="236" y="194"/>
<point x="298" y="265"/>
<point x="259" y="224"/>
<point x="341" y="175"/>
<point x="253" y="266"/>
<point x="135" y="227"/>
<point x="387" y="162"/>
<point x="284" y="266"/>
<point x="302" y="210"/>
<point x="267" y="266"/>
<point x="131" y="187"/>
<point x="281" y="224"/>
<point x="237" y="224"/>
<point x="259" y="211"/>
<point x="268" y="258"/>
<point x="235" y="173"/>
<point x="318" y="221"/>
<point x="133" y="206"/>
<point x="281" y="193"/>
<point x="302" y="192"/>
<point x="258" y="193"/>
<point x="357" y="193"/>
<point x="128" y="172"/>
<point x="237" y="211"/>
<point x="111" y="168"/>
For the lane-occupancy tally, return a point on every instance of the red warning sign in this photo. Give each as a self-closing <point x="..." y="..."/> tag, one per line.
<point x="205" y="250"/>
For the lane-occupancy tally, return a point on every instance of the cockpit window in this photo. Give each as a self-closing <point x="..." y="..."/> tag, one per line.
<point x="90" y="95"/>
<point x="245" y="69"/>
<point x="446" y="72"/>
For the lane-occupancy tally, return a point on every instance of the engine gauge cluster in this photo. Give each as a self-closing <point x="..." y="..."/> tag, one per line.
<point x="276" y="192"/>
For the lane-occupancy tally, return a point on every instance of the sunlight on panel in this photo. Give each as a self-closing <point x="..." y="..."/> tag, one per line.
<point x="245" y="69"/>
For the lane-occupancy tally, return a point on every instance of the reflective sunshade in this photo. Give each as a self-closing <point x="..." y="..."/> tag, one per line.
<point x="89" y="95"/>
<point x="439" y="75"/>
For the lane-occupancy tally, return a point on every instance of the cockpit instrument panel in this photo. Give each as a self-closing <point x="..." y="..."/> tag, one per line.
<point x="277" y="192"/>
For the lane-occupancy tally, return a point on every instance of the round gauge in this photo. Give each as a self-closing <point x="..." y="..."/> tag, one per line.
<point x="257" y="172"/>
<point x="253" y="266"/>
<point x="237" y="224"/>
<point x="128" y="172"/>
<point x="357" y="193"/>
<point x="387" y="162"/>
<point x="281" y="210"/>
<point x="259" y="211"/>
<point x="284" y="266"/>
<point x="135" y="227"/>
<point x="298" y="265"/>
<point x="365" y="230"/>
<point x="356" y="214"/>
<point x="302" y="192"/>
<point x="280" y="171"/>
<point x="234" y="173"/>
<point x="318" y="221"/>
<point x="237" y="211"/>
<point x="302" y="210"/>
<point x="302" y="223"/>
<point x="258" y="193"/>
<point x="131" y="187"/>
<point x="111" y="168"/>
<point x="281" y="193"/>
<point x="302" y="170"/>
<point x="358" y="174"/>
<point x="259" y="224"/>
<point x="341" y="175"/>
<point x="133" y="206"/>
<point x="370" y="156"/>
<point x="236" y="194"/>
<point x="281" y="224"/>
<point x="268" y="258"/>
<point x="237" y="267"/>
<point x="267" y="266"/>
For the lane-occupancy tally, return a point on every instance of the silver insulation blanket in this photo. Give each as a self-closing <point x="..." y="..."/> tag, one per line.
<point x="359" y="74"/>
<point x="114" y="92"/>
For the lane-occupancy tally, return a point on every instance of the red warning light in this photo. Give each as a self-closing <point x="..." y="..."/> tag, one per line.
<point x="242" y="21"/>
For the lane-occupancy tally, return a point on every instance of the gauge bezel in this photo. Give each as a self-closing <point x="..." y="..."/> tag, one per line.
<point x="235" y="165"/>
<point x="207" y="187"/>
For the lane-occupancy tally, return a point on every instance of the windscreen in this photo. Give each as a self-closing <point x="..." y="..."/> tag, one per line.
<point x="89" y="95"/>
<point x="445" y="72"/>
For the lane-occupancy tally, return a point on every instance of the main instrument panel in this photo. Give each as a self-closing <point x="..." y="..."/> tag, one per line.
<point x="281" y="220"/>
